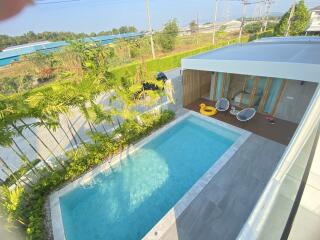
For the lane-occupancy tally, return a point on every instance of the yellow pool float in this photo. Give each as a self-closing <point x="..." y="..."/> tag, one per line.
<point x="207" y="110"/>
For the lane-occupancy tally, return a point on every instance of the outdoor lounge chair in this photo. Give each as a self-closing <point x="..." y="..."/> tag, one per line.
<point x="222" y="104"/>
<point x="246" y="114"/>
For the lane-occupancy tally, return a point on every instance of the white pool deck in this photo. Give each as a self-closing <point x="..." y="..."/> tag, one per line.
<point x="161" y="228"/>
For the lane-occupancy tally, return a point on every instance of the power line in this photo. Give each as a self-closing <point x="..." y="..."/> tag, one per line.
<point x="43" y="2"/>
<point x="143" y="34"/>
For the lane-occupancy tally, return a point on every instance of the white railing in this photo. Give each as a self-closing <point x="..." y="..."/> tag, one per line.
<point x="266" y="208"/>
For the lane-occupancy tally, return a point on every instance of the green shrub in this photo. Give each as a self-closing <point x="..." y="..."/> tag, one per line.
<point x="268" y="33"/>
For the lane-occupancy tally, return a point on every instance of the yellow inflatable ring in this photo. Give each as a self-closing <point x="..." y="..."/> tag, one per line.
<point x="207" y="110"/>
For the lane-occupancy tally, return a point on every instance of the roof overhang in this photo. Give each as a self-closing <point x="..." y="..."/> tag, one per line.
<point x="295" y="58"/>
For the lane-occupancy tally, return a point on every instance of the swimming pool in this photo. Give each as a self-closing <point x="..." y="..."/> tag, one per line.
<point x="126" y="201"/>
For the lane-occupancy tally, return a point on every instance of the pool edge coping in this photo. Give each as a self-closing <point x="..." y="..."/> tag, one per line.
<point x="170" y="217"/>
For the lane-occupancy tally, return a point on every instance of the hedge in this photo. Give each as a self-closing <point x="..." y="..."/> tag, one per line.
<point x="160" y="64"/>
<point x="169" y="62"/>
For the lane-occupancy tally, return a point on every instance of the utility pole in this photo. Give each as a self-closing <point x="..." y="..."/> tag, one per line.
<point x="227" y="11"/>
<point x="255" y="13"/>
<point x="268" y="6"/>
<point x="214" y="22"/>
<point x="198" y="29"/>
<point x="150" y="29"/>
<point x="260" y="12"/>
<point x="263" y="18"/>
<point x="289" y="19"/>
<point x="244" y="7"/>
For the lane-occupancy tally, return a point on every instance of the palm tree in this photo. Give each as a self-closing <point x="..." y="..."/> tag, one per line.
<point x="65" y="133"/>
<point x="20" y="133"/>
<point x="7" y="140"/>
<point x="52" y="127"/>
<point x="23" y="157"/>
<point x="11" y="173"/>
<point x="50" y="110"/>
<point x="43" y="143"/>
<point x="10" y="112"/>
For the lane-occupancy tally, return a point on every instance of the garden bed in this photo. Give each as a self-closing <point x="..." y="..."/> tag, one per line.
<point x="31" y="207"/>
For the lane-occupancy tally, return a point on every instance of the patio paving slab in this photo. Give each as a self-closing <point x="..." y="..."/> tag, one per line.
<point x="224" y="205"/>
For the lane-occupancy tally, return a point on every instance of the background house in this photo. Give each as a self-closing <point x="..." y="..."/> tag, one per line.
<point x="314" y="27"/>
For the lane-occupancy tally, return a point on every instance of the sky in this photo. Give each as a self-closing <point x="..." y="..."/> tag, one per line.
<point x="98" y="15"/>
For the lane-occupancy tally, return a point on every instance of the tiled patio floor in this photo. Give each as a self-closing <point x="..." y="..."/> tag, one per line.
<point x="224" y="205"/>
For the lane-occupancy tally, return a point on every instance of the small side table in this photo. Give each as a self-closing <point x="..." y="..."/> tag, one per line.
<point x="233" y="112"/>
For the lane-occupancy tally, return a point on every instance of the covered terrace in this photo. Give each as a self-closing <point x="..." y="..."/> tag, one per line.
<point x="276" y="76"/>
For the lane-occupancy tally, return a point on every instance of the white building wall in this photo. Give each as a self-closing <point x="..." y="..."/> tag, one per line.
<point x="295" y="100"/>
<point x="314" y="22"/>
<point x="307" y="222"/>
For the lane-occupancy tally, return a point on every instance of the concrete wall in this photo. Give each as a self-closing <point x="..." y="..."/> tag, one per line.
<point x="295" y="100"/>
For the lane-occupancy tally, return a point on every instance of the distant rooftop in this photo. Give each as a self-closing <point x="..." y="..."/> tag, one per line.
<point x="294" y="58"/>
<point x="46" y="46"/>
<point x="25" y="45"/>
<point x="317" y="8"/>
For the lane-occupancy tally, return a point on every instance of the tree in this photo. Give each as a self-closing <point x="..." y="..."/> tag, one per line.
<point x="123" y="29"/>
<point x="299" y="21"/>
<point x="132" y="29"/>
<point x="115" y="31"/>
<point x="252" y="27"/>
<point x="193" y="26"/>
<point x="7" y="41"/>
<point x="167" y="38"/>
<point x="221" y="33"/>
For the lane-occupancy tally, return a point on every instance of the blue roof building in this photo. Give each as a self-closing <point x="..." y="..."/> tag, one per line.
<point x="13" y="54"/>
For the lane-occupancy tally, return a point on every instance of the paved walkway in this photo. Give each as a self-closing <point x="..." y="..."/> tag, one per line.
<point x="223" y="206"/>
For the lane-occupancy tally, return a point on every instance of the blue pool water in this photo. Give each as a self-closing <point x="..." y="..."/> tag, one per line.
<point x="128" y="201"/>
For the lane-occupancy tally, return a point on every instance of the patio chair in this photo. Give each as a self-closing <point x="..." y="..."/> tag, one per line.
<point x="246" y="114"/>
<point x="222" y="104"/>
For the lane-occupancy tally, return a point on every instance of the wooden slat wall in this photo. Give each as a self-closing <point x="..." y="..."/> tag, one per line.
<point x="265" y="95"/>
<point x="243" y="88"/>
<point x="275" y="107"/>
<point x="205" y="83"/>
<point x="215" y="86"/>
<point x="224" y="79"/>
<point x="253" y="91"/>
<point x="195" y="84"/>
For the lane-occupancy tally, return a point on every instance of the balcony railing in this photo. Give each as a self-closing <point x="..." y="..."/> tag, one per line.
<point x="274" y="214"/>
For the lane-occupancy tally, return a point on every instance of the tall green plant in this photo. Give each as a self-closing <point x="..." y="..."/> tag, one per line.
<point x="6" y="167"/>
<point x="167" y="38"/>
<point x="299" y="21"/>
